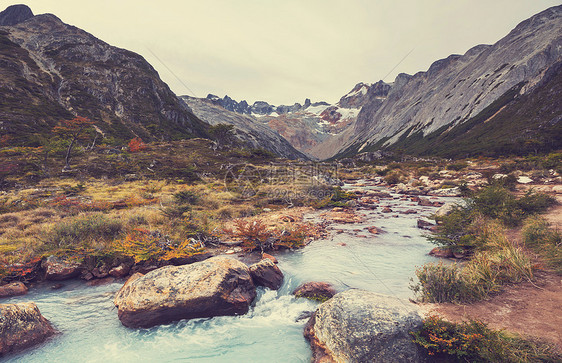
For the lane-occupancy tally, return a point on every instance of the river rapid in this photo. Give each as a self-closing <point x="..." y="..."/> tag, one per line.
<point x="272" y="331"/>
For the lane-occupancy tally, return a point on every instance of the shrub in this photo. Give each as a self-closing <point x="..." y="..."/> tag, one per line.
<point x="137" y="145"/>
<point x="473" y="341"/>
<point x="256" y="236"/>
<point x="393" y="178"/>
<point x="143" y="245"/>
<point x="544" y="241"/>
<point x="82" y="232"/>
<point x="457" y="166"/>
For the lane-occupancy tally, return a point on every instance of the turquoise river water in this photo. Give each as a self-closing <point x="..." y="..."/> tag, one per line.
<point x="271" y="332"/>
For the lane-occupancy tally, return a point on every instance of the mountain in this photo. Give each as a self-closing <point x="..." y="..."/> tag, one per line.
<point x="248" y="130"/>
<point x="51" y="71"/>
<point x="309" y="126"/>
<point x="503" y="97"/>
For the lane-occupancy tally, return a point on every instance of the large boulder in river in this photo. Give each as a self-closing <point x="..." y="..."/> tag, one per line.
<point x="22" y="326"/>
<point x="266" y="273"/>
<point x="362" y="326"/>
<point x="214" y="287"/>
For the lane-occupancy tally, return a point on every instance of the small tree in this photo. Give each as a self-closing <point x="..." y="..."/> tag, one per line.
<point x="73" y="130"/>
<point x="223" y="134"/>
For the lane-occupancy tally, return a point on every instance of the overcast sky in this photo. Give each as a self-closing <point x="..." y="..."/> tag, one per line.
<point x="287" y="50"/>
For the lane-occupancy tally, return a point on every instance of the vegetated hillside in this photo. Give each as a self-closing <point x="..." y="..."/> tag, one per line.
<point x="247" y="129"/>
<point x="52" y="71"/>
<point x="459" y="92"/>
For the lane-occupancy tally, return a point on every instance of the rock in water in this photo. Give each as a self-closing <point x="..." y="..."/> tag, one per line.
<point x="266" y="273"/>
<point x="362" y="326"/>
<point x="13" y="289"/>
<point x="319" y="291"/>
<point x="22" y="326"/>
<point x="214" y="287"/>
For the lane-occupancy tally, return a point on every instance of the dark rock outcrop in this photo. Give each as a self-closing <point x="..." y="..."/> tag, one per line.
<point x="214" y="287"/>
<point x="319" y="291"/>
<point x="266" y="273"/>
<point x="362" y="326"/>
<point x="22" y="326"/>
<point x="15" y="14"/>
<point x="13" y="289"/>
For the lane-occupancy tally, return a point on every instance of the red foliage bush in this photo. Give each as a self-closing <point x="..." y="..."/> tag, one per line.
<point x="137" y="145"/>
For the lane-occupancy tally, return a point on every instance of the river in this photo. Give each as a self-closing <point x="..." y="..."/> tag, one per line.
<point x="271" y="331"/>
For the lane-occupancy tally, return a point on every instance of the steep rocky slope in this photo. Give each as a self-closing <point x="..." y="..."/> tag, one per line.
<point x="52" y="71"/>
<point x="248" y="130"/>
<point x="461" y="91"/>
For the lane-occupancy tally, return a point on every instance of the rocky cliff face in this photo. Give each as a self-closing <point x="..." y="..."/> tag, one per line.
<point x="248" y="130"/>
<point x="52" y="71"/>
<point x="459" y="89"/>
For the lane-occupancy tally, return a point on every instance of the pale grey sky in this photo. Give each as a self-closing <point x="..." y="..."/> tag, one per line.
<point x="287" y="50"/>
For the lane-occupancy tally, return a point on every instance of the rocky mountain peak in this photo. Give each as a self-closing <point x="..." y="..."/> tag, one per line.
<point x="15" y="14"/>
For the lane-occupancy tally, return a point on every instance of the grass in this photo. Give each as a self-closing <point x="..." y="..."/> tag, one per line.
<point x="474" y="341"/>
<point x="495" y="263"/>
<point x="544" y="241"/>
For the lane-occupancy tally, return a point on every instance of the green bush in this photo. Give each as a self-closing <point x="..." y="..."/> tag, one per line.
<point x="473" y="341"/>
<point x="544" y="241"/>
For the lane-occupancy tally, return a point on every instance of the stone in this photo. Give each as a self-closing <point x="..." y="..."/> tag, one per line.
<point x="58" y="269"/>
<point x="363" y="326"/>
<point x="524" y="180"/>
<point x="13" y="289"/>
<point x="266" y="273"/>
<point x="22" y="326"/>
<point x="444" y="209"/>
<point x="319" y="291"/>
<point x="120" y="271"/>
<point x="215" y="287"/>
<point x="441" y="252"/>
<point x="269" y="257"/>
<point x="425" y="224"/>
<point x="386" y="210"/>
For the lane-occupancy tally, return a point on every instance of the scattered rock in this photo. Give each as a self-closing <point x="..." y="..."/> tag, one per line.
<point x="447" y="192"/>
<point x="13" y="289"/>
<point x="214" y="287"/>
<point x="362" y="326"/>
<point x="410" y="211"/>
<point x="374" y="230"/>
<point x="319" y="291"/>
<point x="524" y="180"/>
<point x="22" y="326"/>
<point x="444" y="209"/>
<point x="58" y="269"/>
<point x="120" y="271"/>
<point x="425" y="224"/>
<point x="269" y="257"/>
<point x="386" y="210"/>
<point x="266" y="273"/>
<point x="441" y="252"/>
<point x="57" y="286"/>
